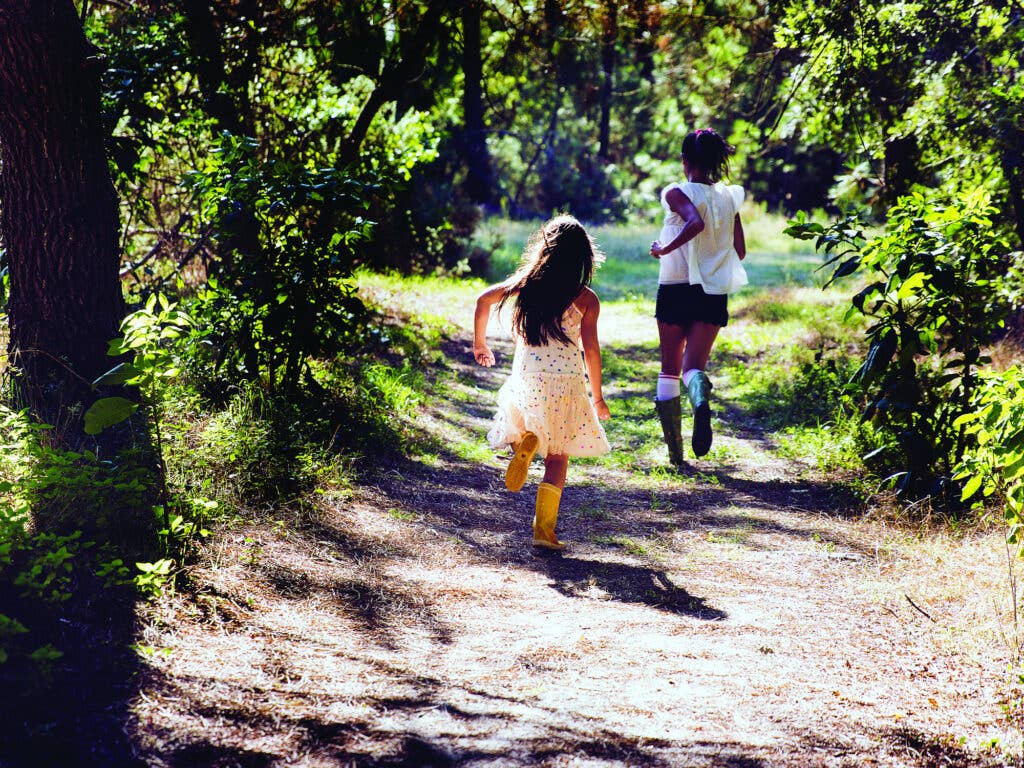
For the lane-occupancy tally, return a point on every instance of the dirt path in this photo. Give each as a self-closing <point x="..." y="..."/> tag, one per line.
<point x="738" y="615"/>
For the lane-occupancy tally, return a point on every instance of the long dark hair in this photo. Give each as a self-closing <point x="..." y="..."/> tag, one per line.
<point x="708" y="152"/>
<point x="558" y="261"/>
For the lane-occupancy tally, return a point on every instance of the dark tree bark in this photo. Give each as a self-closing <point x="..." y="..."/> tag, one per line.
<point x="480" y="176"/>
<point x="211" y="70"/>
<point x="59" y="216"/>
<point x="551" y="192"/>
<point x="609" y="38"/>
<point x="643" y="56"/>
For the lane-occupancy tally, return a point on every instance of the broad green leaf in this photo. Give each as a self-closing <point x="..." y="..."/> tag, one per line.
<point x="106" y="412"/>
<point x="119" y="374"/>
<point x="971" y="487"/>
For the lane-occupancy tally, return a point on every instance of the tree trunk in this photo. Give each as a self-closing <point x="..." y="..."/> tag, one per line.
<point x="204" y="42"/>
<point x="480" y="178"/>
<point x="643" y="57"/>
<point x="1012" y="158"/>
<point x="59" y="216"/>
<point x="551" y="192"/>
<point x="609" y="37"/>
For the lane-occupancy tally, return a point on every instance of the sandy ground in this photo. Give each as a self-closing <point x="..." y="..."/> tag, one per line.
<point x="747" y="613"/>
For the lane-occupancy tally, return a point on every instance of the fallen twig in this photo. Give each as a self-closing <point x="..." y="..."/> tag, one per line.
<point x="918" y="608"/>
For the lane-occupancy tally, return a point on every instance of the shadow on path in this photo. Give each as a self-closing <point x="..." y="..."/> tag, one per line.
<point x="577" y="577"/>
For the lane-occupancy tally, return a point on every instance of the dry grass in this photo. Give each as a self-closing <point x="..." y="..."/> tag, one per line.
<point x="748" y="613"/>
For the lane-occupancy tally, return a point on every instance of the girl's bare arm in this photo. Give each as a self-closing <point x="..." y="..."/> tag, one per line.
<point x="484" y="302"/>
<point x="693" y="224"/>
<point x="591" y="307"/>
<point x="739" y="240"/>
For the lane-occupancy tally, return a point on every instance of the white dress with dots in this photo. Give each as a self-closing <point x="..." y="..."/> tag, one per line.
<point x="547" y="394"/>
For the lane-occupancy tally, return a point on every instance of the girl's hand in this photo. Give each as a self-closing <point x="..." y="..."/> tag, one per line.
<point x="602" y="410"/>
<point x="483" y="355"/>
<point x="656" y="250"/>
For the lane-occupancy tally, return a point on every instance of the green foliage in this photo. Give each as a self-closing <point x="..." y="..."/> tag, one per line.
<point x="934" y="298"/>
<point x="913" y="93"/>
<point x="994" y="465"/>
<point x="40" y="571"/>
<point x="282" y="297"/>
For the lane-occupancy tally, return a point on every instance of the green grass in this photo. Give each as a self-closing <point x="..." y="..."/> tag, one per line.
<point x="783" y="360"/>
<point x="629" y="271"/>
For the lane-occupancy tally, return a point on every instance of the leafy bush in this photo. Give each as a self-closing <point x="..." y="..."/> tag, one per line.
<point x="994" y="466"/>
<point x="934" y="298"/>
<point x="280" y="295"/>
<point x="41" y="570"/>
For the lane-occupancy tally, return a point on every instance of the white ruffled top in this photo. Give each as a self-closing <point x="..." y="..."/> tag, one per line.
<point x="709" y="259"/>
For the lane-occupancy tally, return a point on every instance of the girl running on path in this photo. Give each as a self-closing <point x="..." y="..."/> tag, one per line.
<point x="700" y="248"/>
<point x="543" y="406"/>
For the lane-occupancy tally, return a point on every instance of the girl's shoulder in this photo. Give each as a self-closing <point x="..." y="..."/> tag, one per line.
<point x="687" y="188"/>
<point x="733" y="191"/>
<point x="585" y="299"/>
<point x="668" y="188"/>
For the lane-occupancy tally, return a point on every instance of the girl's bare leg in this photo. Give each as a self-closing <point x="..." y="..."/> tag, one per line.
<point x="700" y="337"/>
<point x="673" y="338"/>
<point x="555" y="467"/>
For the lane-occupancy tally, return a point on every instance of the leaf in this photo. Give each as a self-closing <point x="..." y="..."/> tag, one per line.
<point x="106" y="412"/>
<point x="848" y="267"/>
<point x="911" y="285"/>
<point x="119" y="374"/>
<point x="859" y="298"/>
<point x="971" y="487"/>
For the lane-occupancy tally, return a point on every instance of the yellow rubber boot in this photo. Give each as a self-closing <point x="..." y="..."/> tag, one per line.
<point x="515" y="475"/>
<point x="548" y="497"/>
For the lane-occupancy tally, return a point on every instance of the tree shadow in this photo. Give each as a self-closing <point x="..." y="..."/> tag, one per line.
<point x="72" y="711"/>
<point x="367" y="743"/>
<point x="911" y="748"/>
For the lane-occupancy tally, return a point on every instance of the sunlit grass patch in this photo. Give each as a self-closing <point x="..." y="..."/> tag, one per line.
<point x="629" y="270"/>
<point x="833" y="447"/>
<point x="436" y="301"/>
<point x="476" y="451"/>
<point x="633" y="546"/>
<point x="765" y="232"/>
<point x="405" y="515"/>
<point x="736" y="536"/>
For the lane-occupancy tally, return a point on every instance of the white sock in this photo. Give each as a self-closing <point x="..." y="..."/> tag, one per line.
<point x="687" y="375"/>
<point x="668" y="387"/>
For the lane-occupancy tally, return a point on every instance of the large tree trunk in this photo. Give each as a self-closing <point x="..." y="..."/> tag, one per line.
<point x="609" y="38"/>
<point x="643" y="57"/>
<point x="480" y="177"/>
<point x="59" y="212"/>
<point x="562" y="63"/>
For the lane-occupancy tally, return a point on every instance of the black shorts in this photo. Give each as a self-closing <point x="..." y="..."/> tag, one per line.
<point x="683" y="304"/>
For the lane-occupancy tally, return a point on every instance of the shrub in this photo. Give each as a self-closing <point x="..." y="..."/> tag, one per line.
<point x="934" y="298"/>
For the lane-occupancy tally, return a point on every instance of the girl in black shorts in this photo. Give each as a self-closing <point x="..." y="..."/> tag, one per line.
<point x="700" y="247"/>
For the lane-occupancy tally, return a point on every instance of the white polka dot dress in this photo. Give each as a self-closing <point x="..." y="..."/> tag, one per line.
<point x="546" y="394"/>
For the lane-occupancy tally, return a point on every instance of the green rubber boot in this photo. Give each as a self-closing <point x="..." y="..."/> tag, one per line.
<point x="671" y="414"/>
<point x="699" y="389"/>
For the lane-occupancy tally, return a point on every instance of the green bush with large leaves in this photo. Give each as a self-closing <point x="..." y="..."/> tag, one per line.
<point x="934" y="296"/>
<point x="282" y="296"/>
<point x="994" y="466"/>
